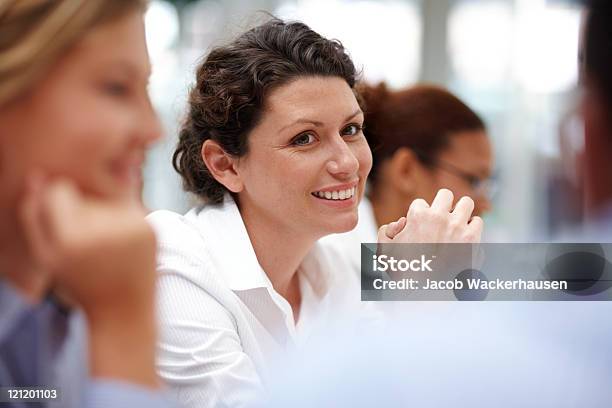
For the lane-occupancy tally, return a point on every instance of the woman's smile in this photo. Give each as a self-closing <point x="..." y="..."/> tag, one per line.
<point x="338" y="196"/>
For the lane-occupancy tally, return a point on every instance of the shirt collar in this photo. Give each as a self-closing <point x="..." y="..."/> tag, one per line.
<point x="230" y="250"/>
<point x="233" y="255"/>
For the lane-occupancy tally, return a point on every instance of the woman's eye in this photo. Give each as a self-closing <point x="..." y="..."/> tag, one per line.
<point x="116" y="88"/>
<point x="351" y="130"/>
<point x="303" y="139"/>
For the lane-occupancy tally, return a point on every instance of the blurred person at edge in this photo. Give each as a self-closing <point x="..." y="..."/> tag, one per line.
<point x="75" y="122"/>
<point x="422" y="138"/>
<point x="596" y="76"/>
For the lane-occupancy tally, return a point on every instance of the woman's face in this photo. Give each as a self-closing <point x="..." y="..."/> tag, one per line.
<point x="89" y="119"/>
<point x="308" y="160"/>
<point x="469" y="153"/>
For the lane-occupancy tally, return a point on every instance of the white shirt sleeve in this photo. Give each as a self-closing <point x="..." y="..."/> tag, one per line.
<point x="200" y="356"/>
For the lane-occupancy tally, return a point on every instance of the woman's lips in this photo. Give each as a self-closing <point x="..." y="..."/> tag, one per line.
<point x="341" y="198"/>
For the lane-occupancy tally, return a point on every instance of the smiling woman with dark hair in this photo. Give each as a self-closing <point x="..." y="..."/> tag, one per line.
<point x="273" y="145"/>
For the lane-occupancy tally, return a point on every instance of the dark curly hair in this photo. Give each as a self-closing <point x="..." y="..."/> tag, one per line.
<point x="232" y="84"/>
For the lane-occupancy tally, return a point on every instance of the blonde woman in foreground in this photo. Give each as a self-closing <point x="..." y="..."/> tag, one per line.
<point x="75" y="120"/>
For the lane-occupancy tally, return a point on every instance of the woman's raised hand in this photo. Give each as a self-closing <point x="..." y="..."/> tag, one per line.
<point x="100" y="254"/>
<point x="435" y="223"/>
<point x="93" y="249"/>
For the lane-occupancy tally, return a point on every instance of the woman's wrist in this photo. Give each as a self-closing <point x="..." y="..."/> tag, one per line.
<point x="122" y="346"/>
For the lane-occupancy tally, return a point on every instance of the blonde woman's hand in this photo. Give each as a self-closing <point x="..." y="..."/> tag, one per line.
<point x="435" y="223"/>
<point x="101" y="254"/>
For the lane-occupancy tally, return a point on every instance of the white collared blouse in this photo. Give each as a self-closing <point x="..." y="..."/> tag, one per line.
<point x="222" y="324"/>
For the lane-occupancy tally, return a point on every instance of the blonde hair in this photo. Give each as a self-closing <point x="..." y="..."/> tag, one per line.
<point x="34" y="34"/>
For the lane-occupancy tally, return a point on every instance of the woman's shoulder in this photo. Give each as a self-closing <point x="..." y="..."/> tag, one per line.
<point x="181" y="243"/>
<point x="171" y="227"/>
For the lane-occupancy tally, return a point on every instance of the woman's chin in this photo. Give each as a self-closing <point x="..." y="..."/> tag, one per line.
<point x="343" y="224"/>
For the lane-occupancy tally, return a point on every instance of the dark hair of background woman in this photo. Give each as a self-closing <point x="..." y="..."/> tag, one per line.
<point x="231" y="88"/>
<point x="422" y="118"/>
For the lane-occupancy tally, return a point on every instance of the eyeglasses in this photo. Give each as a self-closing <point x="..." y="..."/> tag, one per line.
<point x="483" y="186"/>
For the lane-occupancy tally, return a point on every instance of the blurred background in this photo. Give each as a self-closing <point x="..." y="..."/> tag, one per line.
<point x="513" y="61"/>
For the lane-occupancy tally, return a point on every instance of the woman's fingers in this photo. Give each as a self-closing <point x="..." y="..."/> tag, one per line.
<point x="395" y="227"/>
<point x="473" y="231"/>
<point x="436" y="224"/>
<point x="443" y="202"/>
<point x="382" y="236"/>
<point x="463" y="210"/>
<point x="417" y="206"/>
<point x="387" y="232"/>
<point x="60" y="208"/>
<point x="33" y="223"/>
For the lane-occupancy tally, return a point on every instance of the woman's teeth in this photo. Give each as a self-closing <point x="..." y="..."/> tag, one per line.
<point x="336" y="195"/>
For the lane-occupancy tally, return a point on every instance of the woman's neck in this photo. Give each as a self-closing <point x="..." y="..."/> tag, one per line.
<point x="280" y="252"/>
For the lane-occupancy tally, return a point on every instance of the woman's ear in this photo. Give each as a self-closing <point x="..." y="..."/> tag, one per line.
<point x="221" y="165"/>
<point x="404" y="168"/>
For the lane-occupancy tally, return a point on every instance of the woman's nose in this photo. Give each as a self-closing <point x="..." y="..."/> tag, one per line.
<point x="152" y="128"/>
<point x="343" y="161"/>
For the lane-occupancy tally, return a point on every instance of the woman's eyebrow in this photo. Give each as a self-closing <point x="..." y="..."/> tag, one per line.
<point x="317" y="123"/>
<point x="357" y="112"/>
<point x="129" y="68"/>
<point x="302" y="120"/>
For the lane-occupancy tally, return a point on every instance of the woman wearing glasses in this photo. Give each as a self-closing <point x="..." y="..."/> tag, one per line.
<point x="423" y="139"/>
